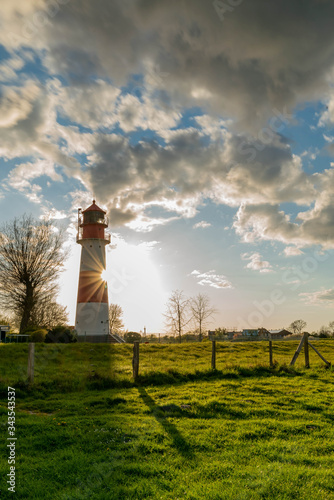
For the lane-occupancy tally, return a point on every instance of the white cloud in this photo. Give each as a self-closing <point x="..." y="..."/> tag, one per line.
<point x="20" y="177"/>
<point x="133" y="113"/>
<point x="9" y="68"/>
<point x="54" y="214"/>
<point x="319" y="298"/>
<point x="267" y="222"/>
<point x="292" y="251"/>
<point x="146" y="224"/>
<point x="16" y="103"/>
<point x="202" y="224"/>
<point x="91" y="106"/>
<point x="256" y="263"/>
<point x="210" y="278"/>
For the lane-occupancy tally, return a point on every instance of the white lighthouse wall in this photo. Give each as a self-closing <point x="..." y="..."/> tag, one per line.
<point x="92" y="320"/>
<point x="93" y="255"/>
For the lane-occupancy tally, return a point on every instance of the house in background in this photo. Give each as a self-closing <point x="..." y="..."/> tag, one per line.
<point x="279" y="334"/>
<point x="255" y="332"/>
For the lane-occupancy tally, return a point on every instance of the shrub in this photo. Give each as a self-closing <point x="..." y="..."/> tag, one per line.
<point x="61" y="334"/>
<point x="38" y="335"/>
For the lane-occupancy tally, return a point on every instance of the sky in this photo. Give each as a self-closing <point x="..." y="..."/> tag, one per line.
<point x="205" y="130"/>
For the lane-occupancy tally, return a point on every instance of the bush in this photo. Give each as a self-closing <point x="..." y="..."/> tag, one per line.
<point x="130" y="337"/>
<point x="61" y="334"/>
<point x="37" y="335"/>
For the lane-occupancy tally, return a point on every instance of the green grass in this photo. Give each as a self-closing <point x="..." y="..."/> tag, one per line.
<point x="244" y="432"/>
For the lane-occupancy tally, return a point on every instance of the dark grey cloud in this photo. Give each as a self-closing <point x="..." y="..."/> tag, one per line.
<point x="264" y="54"/>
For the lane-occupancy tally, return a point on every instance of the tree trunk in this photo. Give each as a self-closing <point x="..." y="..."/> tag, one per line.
<point x="27" y="308"/>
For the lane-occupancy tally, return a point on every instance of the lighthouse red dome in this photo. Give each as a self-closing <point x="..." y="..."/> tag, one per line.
<point x="92" y="223"/>
<point x="94" y="208"/>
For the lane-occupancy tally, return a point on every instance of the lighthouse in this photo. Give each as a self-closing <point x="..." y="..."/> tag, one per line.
<point x="92" y="323"/>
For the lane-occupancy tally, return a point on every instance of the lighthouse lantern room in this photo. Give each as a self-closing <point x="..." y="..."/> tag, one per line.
<point x="92" y="322"/>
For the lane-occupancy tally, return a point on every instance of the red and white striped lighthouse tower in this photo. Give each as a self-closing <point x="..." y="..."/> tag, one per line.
<point x="92" y="323"/>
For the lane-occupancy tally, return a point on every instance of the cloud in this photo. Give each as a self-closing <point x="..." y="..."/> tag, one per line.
<point x="292" y="251"/>
<point x="319" y="298"/>
<point x="256" y="263"/>
<point x="9" y="68"/>
<point x="311" y="227"/>
<point x="54" y="214"/>
<point x="16" y="104"/>
<point x="141" y="223"/>
<point x="268" y="222"/>
<point x="210" y="278"/>
<point x="202" y="224"/>
<point x="91" y="106"/>
<point x="243" y="68"/>
<point x="132" y="178"/>
<point x="21" y="177"/>
<point x="264" y="222"/>
<point x="27" y="111"/>
<point x="251" y="175"/>
<point x="109" y="71"/>
<point x="133" y="113"/>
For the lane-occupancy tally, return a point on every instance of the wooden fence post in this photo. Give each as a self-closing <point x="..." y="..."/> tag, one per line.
<point x="213" y="356"/>
<point x="306" y="351"/>
<point x="316" y="350"/>
<point x="271" y="352"/>
<point x="135" y="359"/>
<point x="31" y="362"/>
<point x="299" y="348"/>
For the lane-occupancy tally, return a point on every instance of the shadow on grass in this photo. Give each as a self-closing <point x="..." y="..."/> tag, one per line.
<point x="182" y="446"/>
<point x="229" y="373"/>
<point x="97" y="381"/>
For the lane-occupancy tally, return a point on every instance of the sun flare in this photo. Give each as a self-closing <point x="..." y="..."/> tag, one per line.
<point x="104" y="275"/>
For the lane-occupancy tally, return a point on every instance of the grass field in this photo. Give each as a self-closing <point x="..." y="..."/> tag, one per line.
<point x="243" y="432"/>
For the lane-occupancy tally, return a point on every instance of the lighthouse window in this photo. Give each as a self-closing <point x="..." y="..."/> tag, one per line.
<point x="94" y="217"/>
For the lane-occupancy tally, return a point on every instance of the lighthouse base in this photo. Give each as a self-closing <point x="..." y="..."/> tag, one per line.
<point x="96" y="339"/>
<point x="92" y="323"/>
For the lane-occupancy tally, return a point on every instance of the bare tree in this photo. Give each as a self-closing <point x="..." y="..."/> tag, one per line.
<point x="177" y="313"/>
<point x="201" y="311"/>
<point x="324" y="332"/>
<point x="116" y="324"/>
<point x="331" y="328"/>
<point x="48" y="314"/>
<point x="31" y="256"/>
<point x="298" y="326"/>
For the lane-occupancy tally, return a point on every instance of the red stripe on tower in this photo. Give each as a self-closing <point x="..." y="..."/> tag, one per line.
<point x="92" y="288"/>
